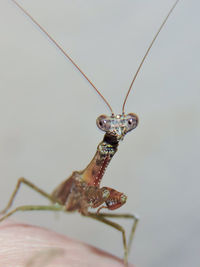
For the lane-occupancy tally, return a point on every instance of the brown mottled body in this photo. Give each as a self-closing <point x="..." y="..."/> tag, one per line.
<point x="82" y="191"/>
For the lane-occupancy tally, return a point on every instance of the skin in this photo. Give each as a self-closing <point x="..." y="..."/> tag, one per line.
<point x="25" y="245"/>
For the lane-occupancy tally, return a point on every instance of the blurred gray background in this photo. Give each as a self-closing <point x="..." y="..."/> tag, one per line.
<point x="48" y="113"/>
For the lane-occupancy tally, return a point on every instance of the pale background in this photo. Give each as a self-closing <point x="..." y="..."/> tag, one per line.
<point x="48" y="113"/>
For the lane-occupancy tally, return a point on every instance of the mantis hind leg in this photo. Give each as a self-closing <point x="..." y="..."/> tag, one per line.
<point x="101" y="217"/>
<point x="118" y="227"/>
<point x="55" y="207"/>
<point x="32" y="186"/>
<point x="125" y="216"/>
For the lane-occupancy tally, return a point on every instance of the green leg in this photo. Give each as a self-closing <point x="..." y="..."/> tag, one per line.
<point x="31" y="185"/>
<point x="118" y="227"/>
<point x="125" y="216"/>
<point x="55" y="207"/>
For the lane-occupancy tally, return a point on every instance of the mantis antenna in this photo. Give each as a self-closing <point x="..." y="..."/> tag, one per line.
<point x="79" y="69"/>
<point x="64" y="53"/>
<point x="146" y="54"/>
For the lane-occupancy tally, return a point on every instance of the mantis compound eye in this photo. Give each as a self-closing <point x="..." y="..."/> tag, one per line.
<point x="132" y="121"/>
<point x="103" y="123"/>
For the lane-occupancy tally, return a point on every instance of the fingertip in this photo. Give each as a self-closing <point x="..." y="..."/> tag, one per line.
<point x="24" y="244"/>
